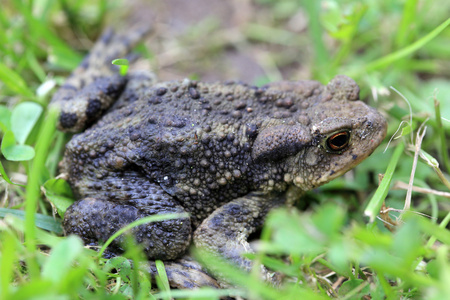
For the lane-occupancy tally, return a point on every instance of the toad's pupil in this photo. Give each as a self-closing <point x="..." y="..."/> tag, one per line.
<point x="338" y="141"/>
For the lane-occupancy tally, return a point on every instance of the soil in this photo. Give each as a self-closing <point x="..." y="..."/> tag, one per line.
<point x="213" y="40"/>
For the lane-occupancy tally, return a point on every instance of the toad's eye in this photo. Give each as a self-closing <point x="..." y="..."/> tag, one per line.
<point x="338" y="141"/>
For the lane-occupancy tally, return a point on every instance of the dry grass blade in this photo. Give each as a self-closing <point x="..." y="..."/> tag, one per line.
<point x="404" y="186"/>
<point x="419" y="138"/>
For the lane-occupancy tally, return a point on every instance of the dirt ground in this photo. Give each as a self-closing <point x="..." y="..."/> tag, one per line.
<point x="214" y="40"/>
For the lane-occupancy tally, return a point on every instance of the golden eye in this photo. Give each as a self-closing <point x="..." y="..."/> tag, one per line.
<point x="338" y="141"/>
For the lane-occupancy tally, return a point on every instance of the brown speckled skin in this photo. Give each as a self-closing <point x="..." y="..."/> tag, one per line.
<point x="226" y="153"/>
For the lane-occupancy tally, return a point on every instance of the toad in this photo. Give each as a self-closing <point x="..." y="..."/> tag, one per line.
<point x="225" y="153"/>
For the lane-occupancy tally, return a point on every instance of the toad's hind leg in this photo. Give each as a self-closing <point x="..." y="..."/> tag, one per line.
<point x="96" y="84"/>
<point x="95" y="220"/>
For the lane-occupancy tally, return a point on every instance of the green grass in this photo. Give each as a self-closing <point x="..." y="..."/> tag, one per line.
<point x="337" y="245"/>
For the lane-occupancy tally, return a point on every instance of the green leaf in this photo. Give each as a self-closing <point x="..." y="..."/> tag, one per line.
<point x="126" y="290"/>
<point x="339" y="255"/>
<point x="18" y="152"/>
<point x="23" y="118"/>
<point x="329" y="219"/>
<point x="434" y="268"/>
<point x="406" y="130"/>
<point x="61" y="258"/>
<point x="123" y="64"/>
<point x="122" y="265"/>
<point x="59" y="193"/>
<point x="407" y="243"/>
<point x="120" y="62"/>
<point x="14" y="152"/>
<point x="252" y="284"/>
<point x="42" y="221"/>
<point x="350" y="285"/>
<point x="293" y="233"/>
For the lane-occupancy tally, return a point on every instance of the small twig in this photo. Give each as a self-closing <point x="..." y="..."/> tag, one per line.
<point x="402" y="211"/>
<point x="389" y="223"/>
<point x="338" y="282"/>
<point x="332" y="273"/>
<point x="404" y="186"/>
<point x="419" y="138"/>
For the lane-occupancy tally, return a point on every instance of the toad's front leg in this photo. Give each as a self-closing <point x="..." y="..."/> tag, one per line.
<point x="226" y="230"/>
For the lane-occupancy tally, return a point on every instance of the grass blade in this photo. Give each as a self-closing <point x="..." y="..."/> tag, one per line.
<point x="395" y="56"/>
<point x="42" y="221"/>
<point x="322" y="57"/>
<point x="14" y="81"/>
<point x="33" y="191"/>
<point x="441" y="132"/>
<point x="375" y="203"/>
<point x="404" y="32"/>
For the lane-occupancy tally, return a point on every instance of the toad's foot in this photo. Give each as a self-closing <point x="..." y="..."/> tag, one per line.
<point x="185" y="273"/>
